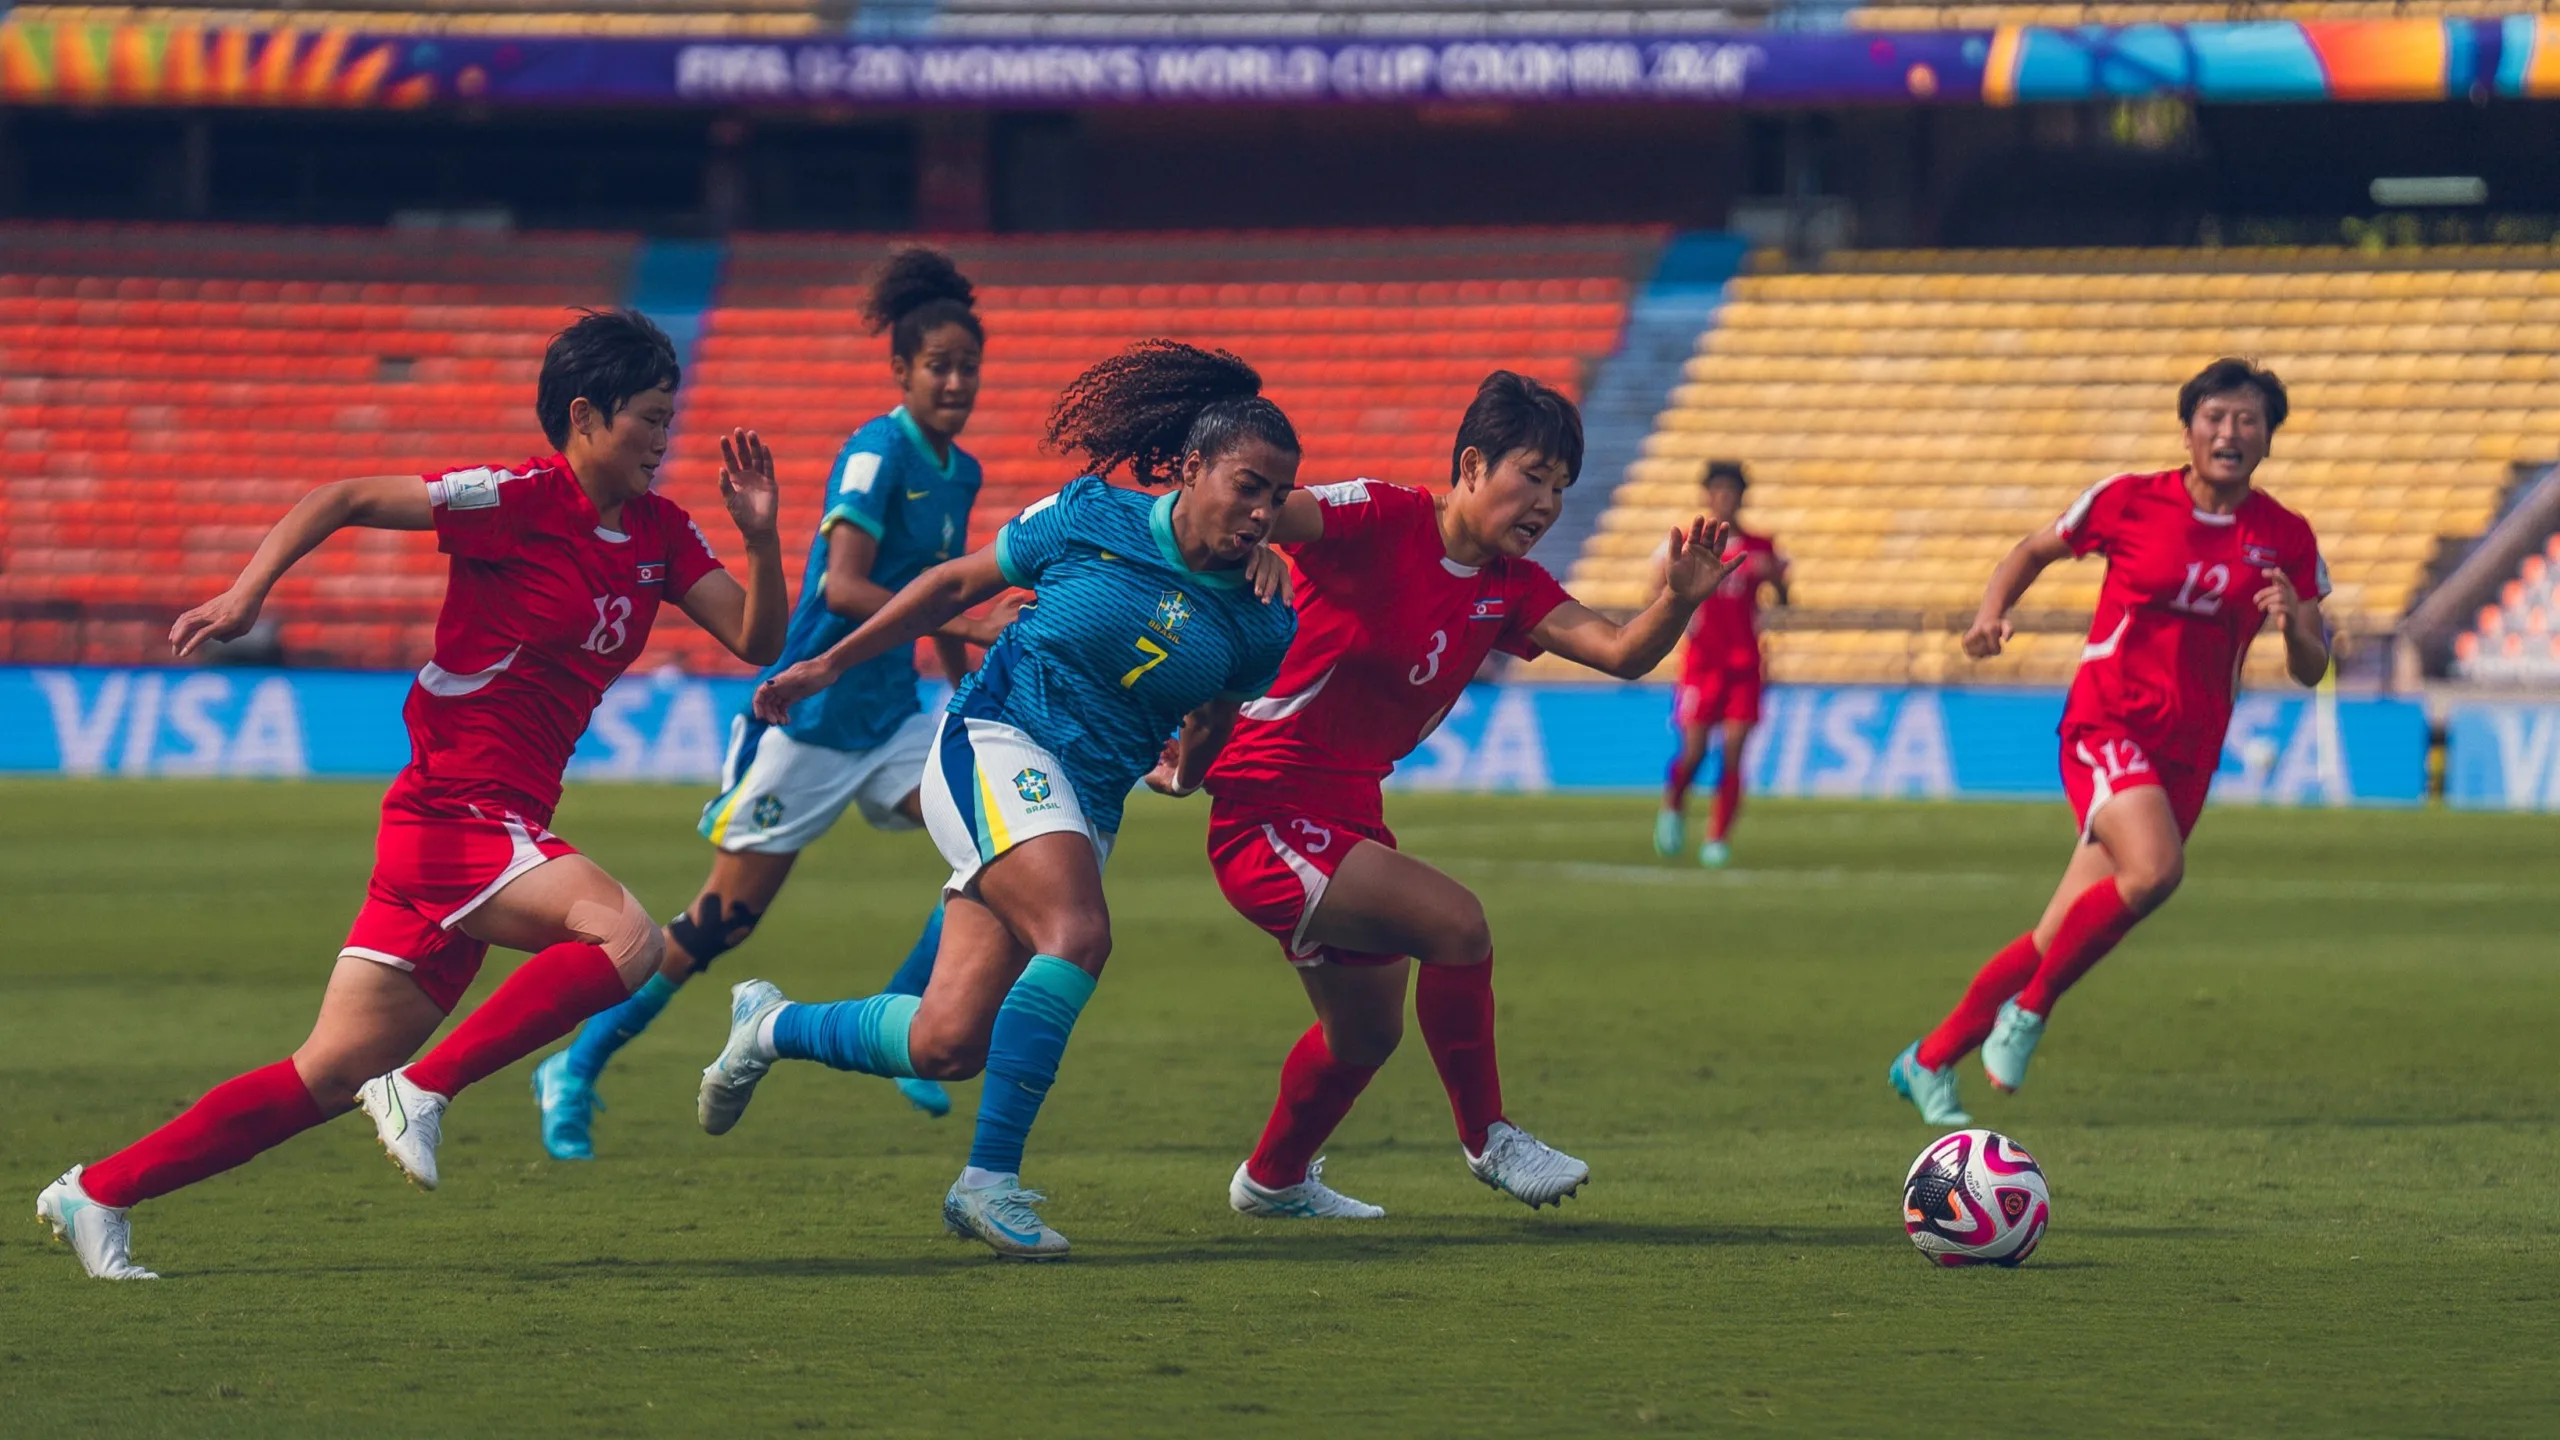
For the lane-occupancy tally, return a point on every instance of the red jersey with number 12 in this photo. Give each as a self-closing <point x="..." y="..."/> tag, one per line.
<point x="543" y="610"/>
<point x="2176" y="613"/>
<point x="1390" y="630"/>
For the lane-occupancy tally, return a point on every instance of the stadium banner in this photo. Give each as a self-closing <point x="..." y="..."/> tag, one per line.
<point x="1846" y="741"/>
<point x="2502" y="756"/>
<point x="81" y="62"/>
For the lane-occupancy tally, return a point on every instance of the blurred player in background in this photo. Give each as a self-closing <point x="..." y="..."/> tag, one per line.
<point x="1718" y="697"/>
<point x="1401" y="596"/>
<point x="897" y="502"/>
<point x="559" y="566"/>
<point x="2197" y="563"/>
<point x="1145" y="614"/>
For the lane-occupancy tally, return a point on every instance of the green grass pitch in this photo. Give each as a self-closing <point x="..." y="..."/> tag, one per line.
<point x="2299" y="1131"/>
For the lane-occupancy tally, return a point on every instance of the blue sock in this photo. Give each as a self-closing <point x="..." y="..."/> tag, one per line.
<point x="1022" y="1058"/>
<point x="917" y="971"/>
<point x="866" y="1035"/>
<point x="610" y="1030"/>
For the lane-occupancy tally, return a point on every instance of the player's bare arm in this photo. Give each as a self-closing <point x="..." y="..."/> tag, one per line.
<point x="749" y="619"/>
<point x="1693" y="565"/>
<point x="929" y="602"/>
<point x="1300" y="520"/>
<point x="1193" y="749"/>
<point x="2009" y="580"/>
<point x="853" y="594"/>
<point x="371" y="502"/>
<point x="2306" y="632"/>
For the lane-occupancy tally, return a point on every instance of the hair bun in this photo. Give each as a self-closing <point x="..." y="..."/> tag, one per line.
<point x="914" y="277"/>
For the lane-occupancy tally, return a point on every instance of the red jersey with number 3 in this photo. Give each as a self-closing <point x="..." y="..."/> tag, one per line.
<point x="2178" y="609"/>
<point x="1724" y="634"/>
<point x="1390" y="630"/>
<point x="544" y="609"/>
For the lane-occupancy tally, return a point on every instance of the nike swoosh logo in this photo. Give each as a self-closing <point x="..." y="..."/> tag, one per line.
<point x="918" y="494"/>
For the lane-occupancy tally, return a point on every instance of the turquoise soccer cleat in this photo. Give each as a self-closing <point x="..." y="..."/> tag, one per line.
<point x="1715" y="854"/>
<point x="1931" y="1092"/>
<point x="568" y="1103"/>
<point x="1001" y="1214"/>
<point x="2011" y="1045"/>
<point x="1669" y="833"/>
<point x="926" y="1095"/>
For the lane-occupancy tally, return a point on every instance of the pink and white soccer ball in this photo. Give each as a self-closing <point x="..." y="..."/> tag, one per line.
<point x="1975" y="1198"/>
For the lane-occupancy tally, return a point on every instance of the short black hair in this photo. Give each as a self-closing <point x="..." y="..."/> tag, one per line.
<point x="2224" y="376"/>
<point x="918" y="292"/>
<point x="606" y="356"/>
<point x="1512" y="412"/>
<point x="1158" y="403"/>
<point x="1728" y="472"/>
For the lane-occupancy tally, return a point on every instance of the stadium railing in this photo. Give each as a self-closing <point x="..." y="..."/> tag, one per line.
<point x="1908" y="415"/>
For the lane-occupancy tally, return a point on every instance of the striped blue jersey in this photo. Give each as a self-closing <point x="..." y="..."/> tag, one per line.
<point x="888" y="481"/>
<point x="1123" y="641"/>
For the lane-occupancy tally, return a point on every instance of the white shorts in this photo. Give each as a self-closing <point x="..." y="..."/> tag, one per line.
<point x="988" y="788"/>
<point x="777" y="794"/>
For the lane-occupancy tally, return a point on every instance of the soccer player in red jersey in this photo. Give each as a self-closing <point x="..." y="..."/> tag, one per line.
<point x="1400" y="598"/>
<point x="1719" y="690"/>
<point x="559" y="565"/>
<point x="2197" y="563"/>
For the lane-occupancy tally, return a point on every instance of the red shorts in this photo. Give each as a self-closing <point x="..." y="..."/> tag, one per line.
<point x="2098" y="765"/>
<point x="1274" y="865"/>
<point x="1716" y="697"/>
<point x="437" y="858"/>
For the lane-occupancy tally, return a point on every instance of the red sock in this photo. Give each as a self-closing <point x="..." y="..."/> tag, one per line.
<point x="1316" y="1091"/>
<point x="1455" y="1005"/>
<point x="1728" y="798"/>
<point x="2089" y="929"/>
<point x="1676" y="780"/>
<point x="1999" y="980"/>
<point x="235" y="1120"/>
<point x="544" y="1000"/>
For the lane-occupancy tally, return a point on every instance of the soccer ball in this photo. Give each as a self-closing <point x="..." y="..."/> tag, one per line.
<point x="1975" y="1198"/>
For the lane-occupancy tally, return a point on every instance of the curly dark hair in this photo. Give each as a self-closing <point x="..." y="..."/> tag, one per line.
<point x="1158" y="403"/>
<point x="917" y="292"/>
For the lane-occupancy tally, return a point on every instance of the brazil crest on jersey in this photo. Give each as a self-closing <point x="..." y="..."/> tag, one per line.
<point x="888" y="481"/>
<point x="1123" y="641"/>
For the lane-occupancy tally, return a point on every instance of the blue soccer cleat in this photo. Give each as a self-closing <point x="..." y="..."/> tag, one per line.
<point x="1669" y="833"/>
<point x="2011" y="1045"/>
<point x="1001" y="1214"/>
<point x="1931" y="1092"/>
<point x="568" y="1103"/>
<point x="926" y="1095"/>
<point x="1715" y="854"/>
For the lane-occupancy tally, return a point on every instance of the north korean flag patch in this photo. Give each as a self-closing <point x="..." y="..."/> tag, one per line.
<point x="654" y="572"/>
<point x="1492" y="609"/>
<point x="2259" y="554"/>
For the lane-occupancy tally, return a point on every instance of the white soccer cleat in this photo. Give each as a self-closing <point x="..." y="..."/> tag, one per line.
<point x="729" y="1082"/>
<point x="1002" y="1215"/>
<point x="99" y="1234"/>
<point x="409" y="1122"/>
<point x="1309" y="1199"/>
<point x="1525" y="1167"/>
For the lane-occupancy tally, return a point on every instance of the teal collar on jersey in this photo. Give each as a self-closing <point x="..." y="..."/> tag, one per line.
<point x="941" y="464"/>
<point x="1160" y="520"/>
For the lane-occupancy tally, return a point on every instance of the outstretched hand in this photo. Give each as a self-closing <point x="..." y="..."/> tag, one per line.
<point x="775" y="697"/>
<point x="1166" y="778"/>
<point x="1696" y="563"/>
<point x="1268" y="569"/>
<point x="747" y="486"/>
<point x="226" y="616"/>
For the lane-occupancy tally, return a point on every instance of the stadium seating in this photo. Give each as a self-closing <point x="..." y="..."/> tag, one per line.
<point x="166" y="392"/>
<point x="1907" y="416"/>
<point x="2516" y="639"/>
<point x="178" y="391"/>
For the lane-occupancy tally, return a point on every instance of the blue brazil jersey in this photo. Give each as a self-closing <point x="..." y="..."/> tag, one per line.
<point x="886" y="480"/>
<point x="1123" y="641"/>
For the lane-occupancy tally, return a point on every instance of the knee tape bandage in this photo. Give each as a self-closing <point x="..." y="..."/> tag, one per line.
<point x="625" y="932"/>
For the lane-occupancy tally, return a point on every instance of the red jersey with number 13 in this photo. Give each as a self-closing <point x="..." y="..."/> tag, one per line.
<point x="543" y="610"/>
<point x="2177" y="611"/>
<point x="1390" y="630"/>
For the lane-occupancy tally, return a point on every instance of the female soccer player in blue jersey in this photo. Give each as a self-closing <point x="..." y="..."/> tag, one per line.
<point x="897" y="502"/>
<point x="1144" y="615"/>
